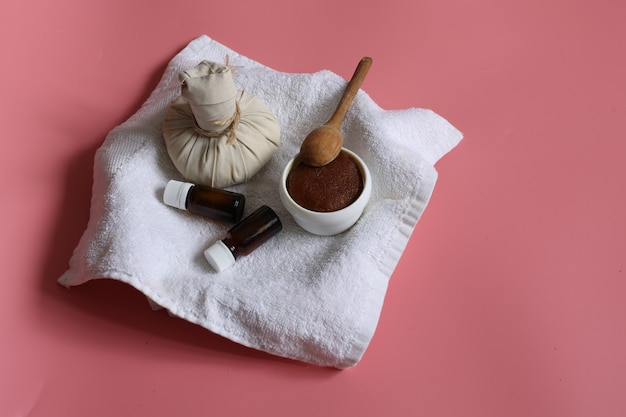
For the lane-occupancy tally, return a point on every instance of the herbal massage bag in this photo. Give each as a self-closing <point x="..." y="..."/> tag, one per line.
<point x="215" y="134"/>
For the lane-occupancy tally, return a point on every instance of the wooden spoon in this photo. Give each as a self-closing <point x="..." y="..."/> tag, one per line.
<point x="324" y="143"/>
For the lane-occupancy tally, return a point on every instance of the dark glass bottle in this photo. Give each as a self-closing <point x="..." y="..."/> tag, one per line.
<point x="204" y="201"/>
<point x="243" y="238"/>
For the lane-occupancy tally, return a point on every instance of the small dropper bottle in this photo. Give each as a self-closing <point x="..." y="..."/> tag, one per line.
<point x="243" y="238"/>
<point x="204" y="201"/>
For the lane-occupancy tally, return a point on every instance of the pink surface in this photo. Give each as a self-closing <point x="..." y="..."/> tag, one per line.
<point x="509" y="299"/>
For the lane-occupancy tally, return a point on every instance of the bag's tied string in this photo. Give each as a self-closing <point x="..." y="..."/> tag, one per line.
<point x="229" y="129"/>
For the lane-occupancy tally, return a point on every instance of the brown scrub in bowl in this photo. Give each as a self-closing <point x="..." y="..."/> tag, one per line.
<point x="328" y="188"/>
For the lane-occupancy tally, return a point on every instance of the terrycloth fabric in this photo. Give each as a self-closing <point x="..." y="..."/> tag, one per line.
<point x="311" y="298"/>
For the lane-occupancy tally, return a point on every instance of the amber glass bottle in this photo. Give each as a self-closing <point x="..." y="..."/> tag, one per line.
<point x="243" y="238"/>
<point x="204" y="201"/>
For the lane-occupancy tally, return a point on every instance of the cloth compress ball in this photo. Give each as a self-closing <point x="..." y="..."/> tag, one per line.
<point x="215" y="134"/>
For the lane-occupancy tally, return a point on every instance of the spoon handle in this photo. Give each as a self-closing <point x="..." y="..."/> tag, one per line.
<point x="351" y="89"/>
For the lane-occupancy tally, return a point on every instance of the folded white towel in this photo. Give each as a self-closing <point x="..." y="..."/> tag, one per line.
<point x="310" y="298"/>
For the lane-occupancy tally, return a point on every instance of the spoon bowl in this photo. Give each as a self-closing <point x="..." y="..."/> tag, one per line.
<point x="321" y="146"/>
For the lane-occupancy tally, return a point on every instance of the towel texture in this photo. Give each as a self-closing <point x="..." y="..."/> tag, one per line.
<point x="311" y="298"/>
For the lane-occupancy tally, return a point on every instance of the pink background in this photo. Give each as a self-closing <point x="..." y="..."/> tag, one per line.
<point x="510" y="299"/>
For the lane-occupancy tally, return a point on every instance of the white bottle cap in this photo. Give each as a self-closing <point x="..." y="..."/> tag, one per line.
<point x="219" y="256"/>
<point x="175" y="193"/>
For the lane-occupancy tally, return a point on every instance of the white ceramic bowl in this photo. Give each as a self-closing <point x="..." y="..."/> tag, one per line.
<point x="332" y="222"/>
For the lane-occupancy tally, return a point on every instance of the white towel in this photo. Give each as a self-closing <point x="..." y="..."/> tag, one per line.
<point x="310" y="298"/>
